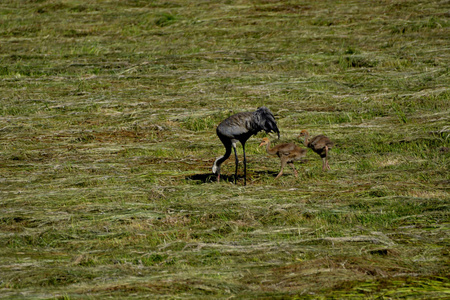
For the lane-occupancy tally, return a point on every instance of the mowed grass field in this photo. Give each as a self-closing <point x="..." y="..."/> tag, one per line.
<point x="108" y="112"/>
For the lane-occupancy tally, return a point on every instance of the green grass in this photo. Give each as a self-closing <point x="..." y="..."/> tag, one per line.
<point x="108" y="112"/>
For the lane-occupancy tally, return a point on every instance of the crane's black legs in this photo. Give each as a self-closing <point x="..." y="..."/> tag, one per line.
<point x="245" y="165"/>
<point x="237" y="163"/>
<point x="219" y="161"/>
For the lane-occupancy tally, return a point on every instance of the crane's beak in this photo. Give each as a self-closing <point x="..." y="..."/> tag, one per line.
<point x="261" y="144"/>
<point x="277" y="132"/>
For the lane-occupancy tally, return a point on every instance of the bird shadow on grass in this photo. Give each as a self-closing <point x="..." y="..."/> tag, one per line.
<point x="265" y="173"/>
<point x="212" y="178"/>
<point x="287" y="170"/>
<point x="209" y="178"/>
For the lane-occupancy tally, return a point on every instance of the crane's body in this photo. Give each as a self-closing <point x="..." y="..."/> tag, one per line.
<point x="288" y="154"/>
<point x="320" y="144"/>
<point x="239" y="128"/>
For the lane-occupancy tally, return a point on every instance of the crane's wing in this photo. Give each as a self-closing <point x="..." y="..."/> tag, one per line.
<point x="245" y="124"/>
<point x="285" y="149"/>
<point x="321" y="141"/>
<point x="236" y="125"/>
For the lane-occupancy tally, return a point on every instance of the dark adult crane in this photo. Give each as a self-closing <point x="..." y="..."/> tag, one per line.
<point x="240" y="127"/>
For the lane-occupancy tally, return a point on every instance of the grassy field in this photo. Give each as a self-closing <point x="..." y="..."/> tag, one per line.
<point x="108" y="112"/>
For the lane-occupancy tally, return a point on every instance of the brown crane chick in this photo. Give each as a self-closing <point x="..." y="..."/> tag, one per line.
<point x="288" y="153"/>
<point x="319" y="144"/>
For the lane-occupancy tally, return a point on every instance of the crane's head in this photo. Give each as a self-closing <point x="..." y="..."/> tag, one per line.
<point x="265" y="141"/>
<point x="266" y="121"/>
<point x="304" y="132"/>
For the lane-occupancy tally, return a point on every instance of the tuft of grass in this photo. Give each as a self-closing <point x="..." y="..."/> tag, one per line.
<point x="165" y="19"/>
<point x="355" y="61"/>
<point x="200" y="123"/>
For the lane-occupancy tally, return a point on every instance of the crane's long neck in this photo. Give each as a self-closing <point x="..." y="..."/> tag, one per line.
<point x="305" y="141"/>
<point x="270" y="151"/>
